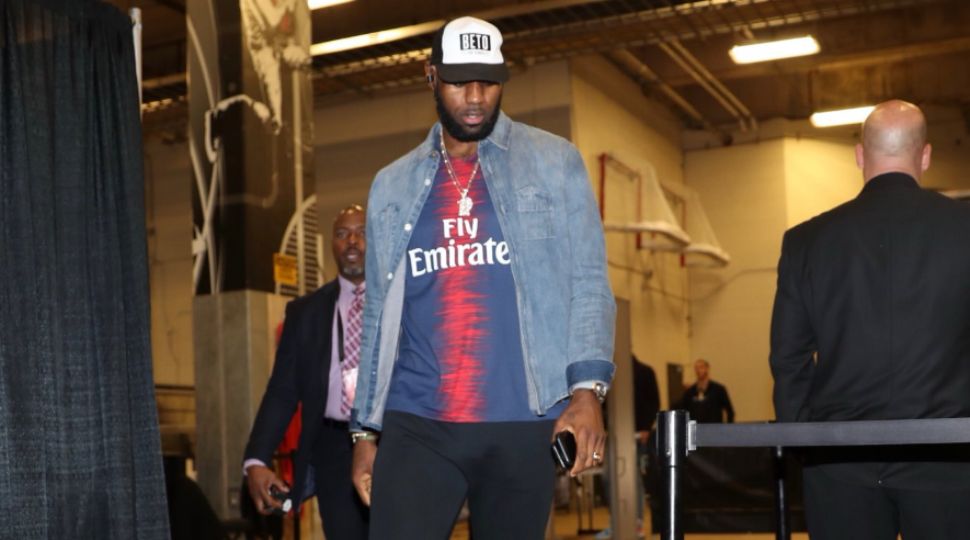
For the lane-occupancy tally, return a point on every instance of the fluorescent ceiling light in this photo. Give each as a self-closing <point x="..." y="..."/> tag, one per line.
<point x="373" y="38"/>
<point x="353" y="42"/>
<point x="774" y="50"/>
<point x="319" y="4"/>
<point x="841" y="117"/>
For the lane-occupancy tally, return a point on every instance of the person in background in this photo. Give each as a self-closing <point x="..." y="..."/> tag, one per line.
<point x="707" y="401"/>
<point x="646" y="399"/>
<point x="316" y="368"/>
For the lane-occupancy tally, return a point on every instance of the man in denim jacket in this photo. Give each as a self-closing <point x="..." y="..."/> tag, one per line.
<point x="488" y="321"/>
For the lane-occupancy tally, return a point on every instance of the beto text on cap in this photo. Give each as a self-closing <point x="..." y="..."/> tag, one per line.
<point x="469" y="49"/>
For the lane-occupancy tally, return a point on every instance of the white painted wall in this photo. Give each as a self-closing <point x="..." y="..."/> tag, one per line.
<point x="819" y="175"/>
<point x="742" y="189"/>
<point x="949" y="134"/>
<point x="611" y="115"/>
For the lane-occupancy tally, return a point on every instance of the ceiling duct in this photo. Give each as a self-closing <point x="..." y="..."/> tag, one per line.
<point x="703" y="251"/>
<point x="692" y="235"/>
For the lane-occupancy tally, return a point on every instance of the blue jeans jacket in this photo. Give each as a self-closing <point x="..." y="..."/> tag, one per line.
<point x="549" y="217"/>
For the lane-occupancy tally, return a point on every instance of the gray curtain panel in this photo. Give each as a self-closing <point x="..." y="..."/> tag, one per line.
<point x="79" y="444"/>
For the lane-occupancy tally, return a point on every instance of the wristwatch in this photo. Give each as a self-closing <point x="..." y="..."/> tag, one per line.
<point x="599" y="389"/>
<point x="357" y="436"/>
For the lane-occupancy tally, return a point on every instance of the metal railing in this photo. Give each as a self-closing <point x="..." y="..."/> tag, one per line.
<point x="678" y="436"/>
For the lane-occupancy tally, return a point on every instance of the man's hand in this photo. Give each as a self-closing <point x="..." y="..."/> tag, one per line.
<point x="362" y="471"/>
<point x="584" y="418"/>
<point x="260" y="479"/>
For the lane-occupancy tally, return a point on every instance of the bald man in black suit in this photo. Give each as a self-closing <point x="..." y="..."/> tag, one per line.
<point x="872" y="321"/>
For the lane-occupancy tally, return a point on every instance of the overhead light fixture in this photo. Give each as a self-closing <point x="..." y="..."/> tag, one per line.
<point x="841" y="117"/>
<point x="320" y="4"/>
<point x="373" y="38"/>
<point x="774" y="50"/>
<point x="353" y="42"/>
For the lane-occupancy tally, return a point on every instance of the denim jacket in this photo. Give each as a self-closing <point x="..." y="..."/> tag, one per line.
<point x="542" y="196"/>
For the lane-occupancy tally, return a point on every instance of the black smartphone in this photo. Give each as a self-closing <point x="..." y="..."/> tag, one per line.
<point x="564" y="450"/>
<point x="284" y="498"/>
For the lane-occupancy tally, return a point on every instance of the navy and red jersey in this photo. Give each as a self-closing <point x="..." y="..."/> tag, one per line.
<point x="460" y="356"/>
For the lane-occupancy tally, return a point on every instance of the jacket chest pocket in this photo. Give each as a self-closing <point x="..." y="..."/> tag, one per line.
<point x="388" y="230"/>
<point x="534" y="208"/>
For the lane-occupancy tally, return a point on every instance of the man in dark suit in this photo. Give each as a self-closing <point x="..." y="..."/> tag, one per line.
<point x="872" y="321"/>
<point x="646" y="398"/>
<point x="707" y="401"/>
<point x="316" y="366"/>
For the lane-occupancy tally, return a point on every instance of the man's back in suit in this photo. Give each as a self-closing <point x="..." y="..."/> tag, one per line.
<point x="884" y="281"/>
<point x="872" y="321"/>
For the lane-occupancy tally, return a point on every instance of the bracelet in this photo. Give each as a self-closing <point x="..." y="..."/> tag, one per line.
<point x="357" y="436"/>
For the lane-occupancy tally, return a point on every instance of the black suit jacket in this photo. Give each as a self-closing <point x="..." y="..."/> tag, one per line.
<point x="301" y="373"/>
<point x="879" y="289"/>
<point x="646" y="396"/>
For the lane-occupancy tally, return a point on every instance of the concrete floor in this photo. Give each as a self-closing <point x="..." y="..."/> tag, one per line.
<point x="566" y="523"/>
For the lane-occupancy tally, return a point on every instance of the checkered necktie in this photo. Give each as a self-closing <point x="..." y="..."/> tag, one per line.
<point x="348" y="368"/>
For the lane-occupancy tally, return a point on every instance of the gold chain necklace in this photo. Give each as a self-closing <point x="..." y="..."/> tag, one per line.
<point x="465" y="202"/>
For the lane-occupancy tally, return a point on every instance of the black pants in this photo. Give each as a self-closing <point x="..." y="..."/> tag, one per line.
<point x="343" y="514"/>
<point x="839" y="510"/>
<point x="425" y="469"/>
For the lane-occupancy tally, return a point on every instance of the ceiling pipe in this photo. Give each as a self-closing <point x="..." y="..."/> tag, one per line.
<point x="643" y="75"/>
<point x="704" y="84"/>
<point x="705" y="78"/>
<point x="706" y="73"/>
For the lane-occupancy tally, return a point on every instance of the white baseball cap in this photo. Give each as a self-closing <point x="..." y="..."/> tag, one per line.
<point x="469" y="49"/>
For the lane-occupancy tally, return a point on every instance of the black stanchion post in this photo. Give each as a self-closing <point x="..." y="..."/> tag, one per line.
<point x="672" y="450"/>
<point x="782" y="518"/>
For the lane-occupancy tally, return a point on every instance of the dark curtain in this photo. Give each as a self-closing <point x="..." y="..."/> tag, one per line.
<point x="79" y="443"/>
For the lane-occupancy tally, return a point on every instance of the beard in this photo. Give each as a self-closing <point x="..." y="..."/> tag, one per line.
<point x="457" y="131"/>
<point x="351" y="271"/>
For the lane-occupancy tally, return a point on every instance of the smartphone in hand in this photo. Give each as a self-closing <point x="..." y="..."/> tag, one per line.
<point x="284" y="498"/>
<point x="564" y="450"/>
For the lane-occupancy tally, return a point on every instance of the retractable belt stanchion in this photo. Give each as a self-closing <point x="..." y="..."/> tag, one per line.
<point x="677" y="436"/>
<point x="672" y="450"/>
<point x="782" y="518"/>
